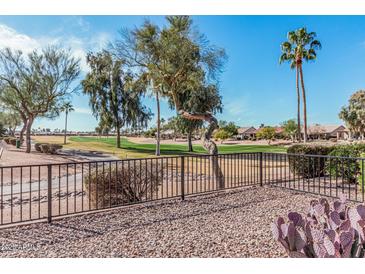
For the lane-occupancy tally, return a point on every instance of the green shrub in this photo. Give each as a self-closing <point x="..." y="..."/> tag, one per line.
<point x="306" y="166"/>
<point x="346" y="168"/>
<point x="128" y="183"/>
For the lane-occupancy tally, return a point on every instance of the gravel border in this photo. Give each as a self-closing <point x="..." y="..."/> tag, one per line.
<point x="232" y="223"/>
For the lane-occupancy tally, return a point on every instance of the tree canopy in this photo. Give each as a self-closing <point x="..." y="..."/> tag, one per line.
<point x="222" y="134"/>
<point x="37" y="84"/>
<point x="229" y="127"/>
<point x="266" y="133"/>
<point x="354" y="113"/>
<point x="10" y="120"/>
<point x="290" y="128"/>
<point x="181" y="64"/>
<point x="178" y="61"/>
<point x="115" y="95"/>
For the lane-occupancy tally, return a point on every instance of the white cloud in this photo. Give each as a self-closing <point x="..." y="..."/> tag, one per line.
<point x="17" y="41"/>
<point x="83" y="110"/>
<point x="79" y="47"/>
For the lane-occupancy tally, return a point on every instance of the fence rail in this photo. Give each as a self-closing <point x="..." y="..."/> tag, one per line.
<point x="43" y="192"/>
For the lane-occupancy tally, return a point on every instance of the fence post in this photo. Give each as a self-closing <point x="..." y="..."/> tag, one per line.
<point x="261" y="181"/>
<point x="49" y="199"/>
<point x="182" y="177"/>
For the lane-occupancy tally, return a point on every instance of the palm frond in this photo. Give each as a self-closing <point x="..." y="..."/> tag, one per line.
<point x="286" y="47"/>
<point x="315" y="44"/>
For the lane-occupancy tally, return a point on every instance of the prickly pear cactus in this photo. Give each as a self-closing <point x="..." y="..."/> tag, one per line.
<point x="337" y="232"/>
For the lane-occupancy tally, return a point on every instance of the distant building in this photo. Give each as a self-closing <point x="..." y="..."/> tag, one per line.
<point x="245" y="133"/>
<point x="325" y="132"/>
<point x="167" y="134"/>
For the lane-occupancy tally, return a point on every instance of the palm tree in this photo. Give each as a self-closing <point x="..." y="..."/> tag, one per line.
<point x="67" y="108"/>
<point x="300" y="46"/>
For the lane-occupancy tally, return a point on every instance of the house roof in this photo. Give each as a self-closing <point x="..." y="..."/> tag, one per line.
<point x="167" y="132"/>
<point x="279" y="129"/>
<point x="246" y="130"/>
<point x="316" y="129"/>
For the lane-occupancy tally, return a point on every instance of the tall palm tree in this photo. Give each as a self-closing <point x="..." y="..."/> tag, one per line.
<point x="301" y="45"/>
<point x="67" y="108"/>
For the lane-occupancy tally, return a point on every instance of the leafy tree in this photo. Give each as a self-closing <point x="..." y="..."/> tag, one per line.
<point x="222" y="135"/>
<point x="151" y="133"/>
<point x="99" y="131"/>
<point x="115" y="97"/>
<point x="290" y="128"/>
<point x="66" y="108"/>
<point x="180" y="125"/>
<point x="141" y="49"/>
<point x="354" y="113"/>
<point x="181" y="65"/>
<point x="37" y="84"/>
<point x="229" y="127"/>
<point x="10" y="120"/>
<point x="266" y="133"/>
<point x="301" y="45"/>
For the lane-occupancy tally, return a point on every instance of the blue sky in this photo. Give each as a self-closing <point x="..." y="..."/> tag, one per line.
<point x="255" y="88"/>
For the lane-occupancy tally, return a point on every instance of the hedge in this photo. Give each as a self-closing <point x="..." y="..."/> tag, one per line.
<point x="308" y="167"/>
<point x="348" y="169"/>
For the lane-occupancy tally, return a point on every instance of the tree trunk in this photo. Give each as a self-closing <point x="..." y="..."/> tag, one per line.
<point x="118" y="136"/>
<point x="28" y="133"/>
<point x="299" y="133"/>
<point x="158" y="125"/>
<point x="304" y="104"/>
<point x="22" y="131"/>
<point x="190" y="143"/>
<point x="208" y="144"/>
<point x="65" y="136"/>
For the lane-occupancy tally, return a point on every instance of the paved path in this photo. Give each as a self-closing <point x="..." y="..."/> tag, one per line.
<point x="88" y="155"/>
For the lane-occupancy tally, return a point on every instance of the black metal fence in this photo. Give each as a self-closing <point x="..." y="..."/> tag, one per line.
<point x="43" y="192"/>
<point x="319" y="174"/>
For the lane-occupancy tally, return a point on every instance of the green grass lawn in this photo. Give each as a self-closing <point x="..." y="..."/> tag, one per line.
<point x="130" y="149"/>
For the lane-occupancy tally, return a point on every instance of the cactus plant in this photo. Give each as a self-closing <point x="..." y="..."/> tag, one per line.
<point x="337" y="232"/>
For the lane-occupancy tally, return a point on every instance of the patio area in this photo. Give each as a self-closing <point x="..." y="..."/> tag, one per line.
<point x="231" y="223"/>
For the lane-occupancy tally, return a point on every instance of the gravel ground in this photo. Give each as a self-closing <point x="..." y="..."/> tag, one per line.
<point x="226" y="224"/>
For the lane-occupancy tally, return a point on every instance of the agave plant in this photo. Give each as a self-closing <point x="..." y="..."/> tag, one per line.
<point x="337" y="232"/>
